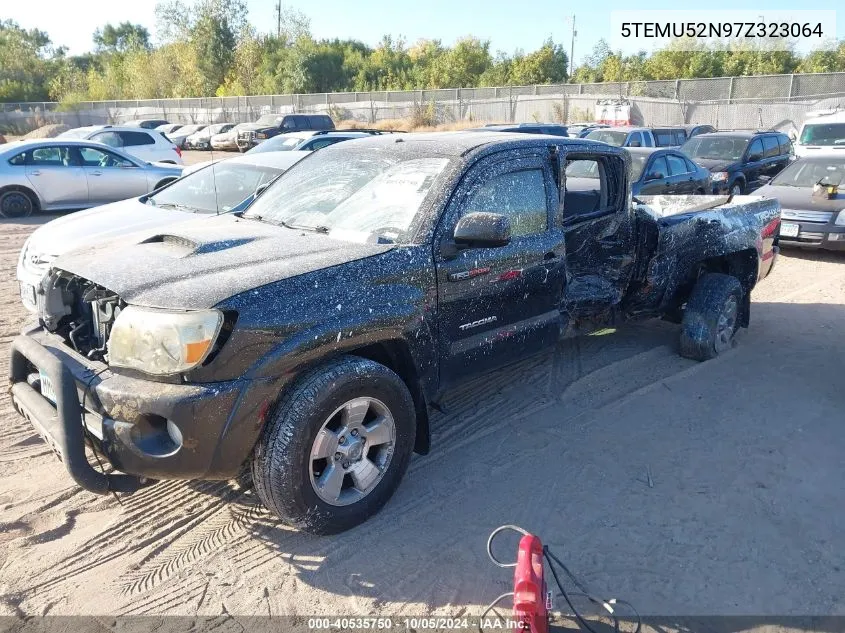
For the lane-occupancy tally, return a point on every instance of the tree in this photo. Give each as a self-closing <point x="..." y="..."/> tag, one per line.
<point x="121" y="38"/>
<point x="211" y="26"/>
<point x="546" y="65"/>
<point x="28" y="62"/>
<point x="462" y="65"/>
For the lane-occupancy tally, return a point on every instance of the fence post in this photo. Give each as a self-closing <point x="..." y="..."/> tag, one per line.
<point x="731" y="90"/>
<point x="791" y="86"/>
<point x="677" y="89"/>
<point x="580" y="89"/>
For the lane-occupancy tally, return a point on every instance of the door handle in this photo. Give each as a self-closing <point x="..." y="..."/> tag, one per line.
<point x="96" y="173"/>
<point x="35" y="173"/>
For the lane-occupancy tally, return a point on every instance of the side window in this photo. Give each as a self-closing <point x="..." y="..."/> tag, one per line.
<point x="289" y="123"/>
<point x="677" y="165"/>
<point x="756" y="148"/>
<point x="648" y="139"/>
<point x="770" y="146"/>
<point x="680" y="137"/>
<point x="93" y="157"/>
<point x="50" y="157"/>
<point x="635" y="140"/>
<point x="663" y="137"/>
<point x="18" y="159"/>
<point x="108" y="138"/>
<point x="658" y="169"/>
<point x="785" y="146"/>
<point x="320" y="122"/>
<point x="589" y="188"/>
<point x="132" y="139"/>
<point x="520" y="195"/>
<point x="690" y="165"/>
<point x="323" y="142"/>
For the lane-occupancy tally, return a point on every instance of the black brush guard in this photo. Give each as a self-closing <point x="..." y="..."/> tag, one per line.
<point x="62" y="425"/>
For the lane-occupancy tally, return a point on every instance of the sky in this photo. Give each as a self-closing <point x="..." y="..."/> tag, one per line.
<point x="508" y="26"/>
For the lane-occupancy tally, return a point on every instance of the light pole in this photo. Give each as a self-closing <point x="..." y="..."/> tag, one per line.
<point x="572" y="46"/>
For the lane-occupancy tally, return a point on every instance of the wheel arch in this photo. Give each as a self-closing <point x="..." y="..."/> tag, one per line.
<point x="395" y="354"/>
<point x="27" y="190"/>
<point x="742" y="264"/>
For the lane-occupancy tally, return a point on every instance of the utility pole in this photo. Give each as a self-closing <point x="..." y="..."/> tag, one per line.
<point x="279" y="18"/>
<point x="572" y="47"/>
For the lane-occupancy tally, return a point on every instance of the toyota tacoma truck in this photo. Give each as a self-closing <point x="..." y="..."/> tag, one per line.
<point x="303" y="342"/>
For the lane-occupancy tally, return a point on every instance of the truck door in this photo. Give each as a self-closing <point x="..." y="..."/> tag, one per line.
<point x="598" y="233"/>
<point x="499" y="304"/>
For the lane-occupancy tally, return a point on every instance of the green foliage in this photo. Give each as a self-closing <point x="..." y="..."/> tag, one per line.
<point x="209" y="48"/>
<point x="121" y="38"/>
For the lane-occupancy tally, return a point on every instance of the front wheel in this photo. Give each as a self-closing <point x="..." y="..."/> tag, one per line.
<point x="336" y="446"/>
<point x="711" y="317"/>
<point x="736" y="189"/>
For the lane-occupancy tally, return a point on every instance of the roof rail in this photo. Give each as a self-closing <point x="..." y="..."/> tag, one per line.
<point x="364" y="130"/>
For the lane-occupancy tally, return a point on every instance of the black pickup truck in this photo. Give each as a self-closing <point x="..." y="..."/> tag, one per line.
<point x="304" y="341"/>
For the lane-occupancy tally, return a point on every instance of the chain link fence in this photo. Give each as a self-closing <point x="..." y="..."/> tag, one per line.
<point x="727" y="102"/>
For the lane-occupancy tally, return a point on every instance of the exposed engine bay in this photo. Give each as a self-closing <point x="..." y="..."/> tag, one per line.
<point x="80" y="311"/>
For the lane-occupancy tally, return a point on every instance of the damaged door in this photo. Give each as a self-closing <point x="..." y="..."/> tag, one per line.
<point x="598" y="232"/>
<point x="498" y="304"/>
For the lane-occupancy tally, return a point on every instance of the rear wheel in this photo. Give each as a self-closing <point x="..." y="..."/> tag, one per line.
<point x="16" y="203"/>
<point x="336" y="447"/>
<point x="711" y="317"/>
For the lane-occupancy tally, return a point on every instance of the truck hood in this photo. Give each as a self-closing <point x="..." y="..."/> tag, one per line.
<point x="716" y="164"/>
<point x="257" y="127"/>
<point x="199" y="263"/>
<point x="99" y="224"/>
<point x="802" y="198"/>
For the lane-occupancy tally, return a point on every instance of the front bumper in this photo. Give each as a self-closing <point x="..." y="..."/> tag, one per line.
<point x="815" y="236"/>
<point x="145" y="429"/>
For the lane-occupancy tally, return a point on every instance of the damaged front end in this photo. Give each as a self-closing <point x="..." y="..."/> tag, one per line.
<point x="79" y="311"/>
<point x="78" y="396"/>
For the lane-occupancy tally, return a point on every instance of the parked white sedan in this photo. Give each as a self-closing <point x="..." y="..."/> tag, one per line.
<point x="60" y="174"/>
<point x="145" y="144"/>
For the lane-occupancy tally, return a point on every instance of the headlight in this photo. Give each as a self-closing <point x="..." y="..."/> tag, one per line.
<point x="161" y="342"/>
<point x="719" y="176"/>
<point x="840" y="219"/>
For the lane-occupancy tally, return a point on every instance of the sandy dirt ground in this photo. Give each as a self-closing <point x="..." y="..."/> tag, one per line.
<point x="686" y="488"/>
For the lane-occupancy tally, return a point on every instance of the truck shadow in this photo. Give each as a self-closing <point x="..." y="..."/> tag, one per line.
<point x="676" y="485"/>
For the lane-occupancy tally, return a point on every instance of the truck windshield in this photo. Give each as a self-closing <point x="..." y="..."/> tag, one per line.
<point x="358" y="196"/>
<point x="613" y="137"/>
<point x="823" y="134"/>
<point x="715" y="147"/>
<point x="218" y="188"/>
<point x="806" y="173"/>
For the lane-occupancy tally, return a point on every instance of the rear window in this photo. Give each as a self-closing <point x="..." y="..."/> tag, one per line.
<point x="613" y="137"/>
<point x="131" y="139"/>
<point x="323" y="121"/>
<point x="785" y="146"/>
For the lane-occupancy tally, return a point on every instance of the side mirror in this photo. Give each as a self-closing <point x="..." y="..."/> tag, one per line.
<point x="753" y="158"/>
<point x="261" y="189"/>
<point x="483" y="230"/>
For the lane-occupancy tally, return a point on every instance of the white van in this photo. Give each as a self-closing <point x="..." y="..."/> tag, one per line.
<point x="822" y="134"/>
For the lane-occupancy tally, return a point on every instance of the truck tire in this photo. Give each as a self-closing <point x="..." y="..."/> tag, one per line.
<point x="336" y="446"/>
<point x="711" y="317"/>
